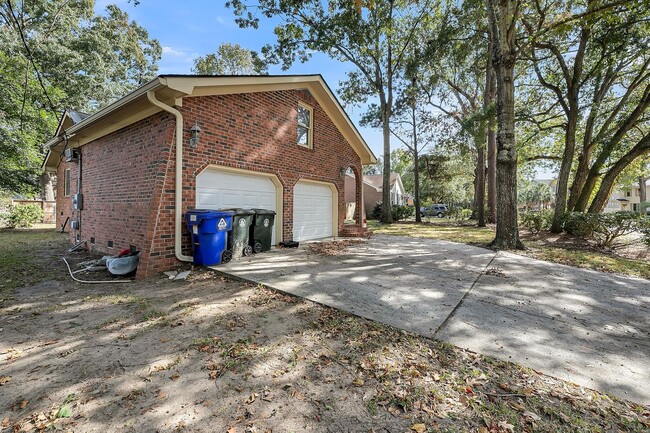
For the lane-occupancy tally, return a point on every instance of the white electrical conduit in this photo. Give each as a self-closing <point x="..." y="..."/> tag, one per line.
<point x="91" y="282"/>
<point x="179" y="175"/>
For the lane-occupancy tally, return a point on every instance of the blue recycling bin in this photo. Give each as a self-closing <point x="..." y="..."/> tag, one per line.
<point x="209" y="230"/>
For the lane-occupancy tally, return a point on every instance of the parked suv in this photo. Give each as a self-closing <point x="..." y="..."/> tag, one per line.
<point x="439" y="210"/>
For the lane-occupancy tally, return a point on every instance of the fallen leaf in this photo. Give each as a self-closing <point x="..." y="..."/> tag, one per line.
<point x="6" y="422"/>
<point x="468" y="389"/>
<point x="505" y="387"/>
<point x="23" y="404"/>
<point x="505" y="426"/>
<point x="175" y="376"/>
<point x="232" y="429"/>
<point x="161" y="395"/>
<point x="483" y="430"/>
<point x="531" y="416"/>
<point x="419" y="428"/>
<point x="4" y="379"/>
<point x="358" y="382"/>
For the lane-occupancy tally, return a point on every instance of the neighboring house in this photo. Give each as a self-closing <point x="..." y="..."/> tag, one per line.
<point x="276" y="142"/>
<point x="372" y="190"/>
<point x="625" y="199"/>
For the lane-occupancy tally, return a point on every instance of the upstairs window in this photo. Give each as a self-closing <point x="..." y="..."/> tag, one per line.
<point x="305" y="126"/>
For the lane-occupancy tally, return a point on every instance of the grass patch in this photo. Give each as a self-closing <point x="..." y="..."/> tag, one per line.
<point x="436" y="229"/>
<point x="21" y="257"/>
<point x="582" y="256"/>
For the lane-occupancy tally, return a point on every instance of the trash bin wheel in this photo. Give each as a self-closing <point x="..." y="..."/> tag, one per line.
<point x="257" y="247"/>
<point x="226" y="256"/>
<point x="248" y="250"/>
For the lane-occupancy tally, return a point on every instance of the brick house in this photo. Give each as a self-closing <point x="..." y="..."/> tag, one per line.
<point x="372" y="190"/>
<point x="275" y="142"/>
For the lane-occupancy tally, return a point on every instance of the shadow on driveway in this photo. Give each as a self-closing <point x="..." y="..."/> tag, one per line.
<point x="588" y="327"/>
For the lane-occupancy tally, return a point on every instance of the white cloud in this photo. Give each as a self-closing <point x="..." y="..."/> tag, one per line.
<point x="171" y="51"/>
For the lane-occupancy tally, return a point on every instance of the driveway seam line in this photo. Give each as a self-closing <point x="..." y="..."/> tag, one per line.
<point x="453" y="312"/>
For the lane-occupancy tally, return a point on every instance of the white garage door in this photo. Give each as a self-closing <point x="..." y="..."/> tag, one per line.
<point x="312" y="211"/>
<point x="216" y="189"/>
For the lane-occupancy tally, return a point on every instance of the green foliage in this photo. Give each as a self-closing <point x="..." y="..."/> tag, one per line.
<point x="81" y="61"/>
<point x="398" y="212"/>
<point x="534" y="194"/>
<point x="536" y="221"/>
<point x="605" y="228"/>
<point x="375" y="214"/>
<point x="23" y="216"/>
<point x="459" y="215"/>
<point x="643" y="207"/>
<point x="402" y="212"/>
<point x="230" y="59"/>
<point x="581" y="224"/>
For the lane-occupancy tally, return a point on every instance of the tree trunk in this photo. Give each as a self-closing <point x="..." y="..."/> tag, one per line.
<point x="580" y="177"/>
<point x="479" y="191"/>
<point x="600" y="200"/>
<point x="416" y="168"/>
<point x="502" y="17"/>
<point x="642" y="189"/>
<point x="386" y="214"/>
<point x="491" y="144"/>
<point x="565" y="168"/>
<point x="590" y="182"/>
<point x="47" y="184"/>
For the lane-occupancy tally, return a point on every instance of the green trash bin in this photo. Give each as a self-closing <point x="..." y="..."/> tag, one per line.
<point x="238" y="237"/>
<point x="262" y="230"/>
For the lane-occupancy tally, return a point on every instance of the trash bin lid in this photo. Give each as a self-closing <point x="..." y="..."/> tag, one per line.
<point x="201" y="214"/>
<point x="263" y="211"/>
<point x="240" y="211"/>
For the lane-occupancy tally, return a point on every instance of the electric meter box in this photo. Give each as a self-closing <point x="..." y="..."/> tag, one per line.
<point x="70" y="155"/>
<point x="77" y="201"/>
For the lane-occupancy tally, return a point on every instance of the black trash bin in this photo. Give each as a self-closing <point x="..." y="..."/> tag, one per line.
<point x="262" y="230"/>
<point x="238" y="237"/>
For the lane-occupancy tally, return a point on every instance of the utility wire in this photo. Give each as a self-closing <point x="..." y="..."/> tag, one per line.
<point x="31" y="59"/>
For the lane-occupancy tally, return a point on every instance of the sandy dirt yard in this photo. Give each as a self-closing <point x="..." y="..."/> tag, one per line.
<point x="216" y="355"/>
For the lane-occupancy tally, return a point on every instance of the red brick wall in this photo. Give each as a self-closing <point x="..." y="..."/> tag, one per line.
<point x="128" y="176"/>
<point x="121" y="181"/>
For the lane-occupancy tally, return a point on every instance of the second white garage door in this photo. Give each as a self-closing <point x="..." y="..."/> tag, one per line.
<point x="312" y="211"/>
<point x="219" y="189"/>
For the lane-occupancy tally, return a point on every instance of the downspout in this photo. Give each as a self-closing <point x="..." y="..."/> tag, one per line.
<point x="179" y="175"/>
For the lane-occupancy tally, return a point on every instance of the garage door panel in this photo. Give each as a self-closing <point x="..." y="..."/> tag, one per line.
<point x="312" y="211"/>
<point x="216" y="189"/>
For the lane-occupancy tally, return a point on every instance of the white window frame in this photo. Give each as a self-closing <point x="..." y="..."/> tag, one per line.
<point x="310" y="127"/>
<point x="66" y="183"/>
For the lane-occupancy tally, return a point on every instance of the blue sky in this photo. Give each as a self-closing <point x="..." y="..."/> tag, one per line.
<point x="191" y="28"/>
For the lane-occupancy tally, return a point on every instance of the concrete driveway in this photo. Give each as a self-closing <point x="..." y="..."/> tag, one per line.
<point x="588" y="327"/>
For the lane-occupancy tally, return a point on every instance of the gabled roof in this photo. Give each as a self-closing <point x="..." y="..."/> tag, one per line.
<point x="170" y="89"/>
<point x="68" y="119"/>
<point x="376" y="180"/>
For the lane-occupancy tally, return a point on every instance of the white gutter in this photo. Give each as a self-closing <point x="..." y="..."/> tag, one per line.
<point x="179" y="175"/>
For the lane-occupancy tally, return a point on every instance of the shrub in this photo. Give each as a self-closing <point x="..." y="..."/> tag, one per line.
<point x="375" y="214"/>
<point x="536" y="221"/>
<point x="605" y="228"/>
<point x="397" y="212"/>
<point x="580" y="224"/>
<point x="401" y="212"/>
<point x="23" y="216"/>
<point x="459" y="214"/>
